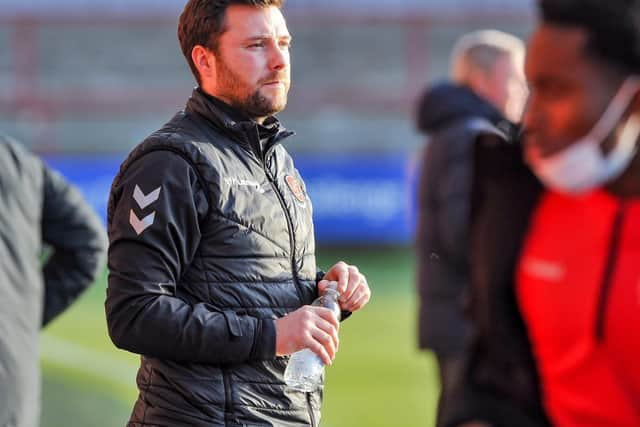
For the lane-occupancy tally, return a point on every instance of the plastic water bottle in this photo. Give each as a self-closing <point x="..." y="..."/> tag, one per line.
<point x="305" y="368"/>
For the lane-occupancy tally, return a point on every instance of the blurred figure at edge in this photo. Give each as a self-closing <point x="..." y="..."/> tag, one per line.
<point x="40" y="213"/>
<point x="556" y="234"/>
<point x="484" y="98"/>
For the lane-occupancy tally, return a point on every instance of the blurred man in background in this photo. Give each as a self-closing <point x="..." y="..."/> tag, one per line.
<point x="212" y="262"/>
<point x="556" y="239"/>
<point x="484" y="98"/>
<point x="38" y="209"/>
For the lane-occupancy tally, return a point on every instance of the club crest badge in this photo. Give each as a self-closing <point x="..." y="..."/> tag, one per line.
<point x="296" y="188"/>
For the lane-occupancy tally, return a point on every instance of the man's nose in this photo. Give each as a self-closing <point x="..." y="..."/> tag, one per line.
<point x="279" y="58"/>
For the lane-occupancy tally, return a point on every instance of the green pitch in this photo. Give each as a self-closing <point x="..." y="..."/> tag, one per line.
<point x="377" y="379"/>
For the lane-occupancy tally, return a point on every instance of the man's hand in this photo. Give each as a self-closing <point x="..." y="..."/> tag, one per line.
<point x="315" y="328"/>
<point x="352" y="286"/>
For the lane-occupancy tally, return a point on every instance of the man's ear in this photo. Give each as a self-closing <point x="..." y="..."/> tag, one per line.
<point x="205" y="62"/>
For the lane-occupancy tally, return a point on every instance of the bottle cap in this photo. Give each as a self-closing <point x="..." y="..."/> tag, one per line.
<point x="331" y="288"/>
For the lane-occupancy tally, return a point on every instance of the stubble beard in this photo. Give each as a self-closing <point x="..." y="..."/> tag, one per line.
<point x="251" y="101"/>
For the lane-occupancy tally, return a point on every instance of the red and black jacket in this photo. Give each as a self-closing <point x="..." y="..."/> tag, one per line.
<point x="501" y="384"/>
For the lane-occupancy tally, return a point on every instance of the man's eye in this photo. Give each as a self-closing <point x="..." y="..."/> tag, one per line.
<point x="255" y="45"/>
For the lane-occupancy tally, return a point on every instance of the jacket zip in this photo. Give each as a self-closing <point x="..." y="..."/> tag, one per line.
<point x="292" y="241"/>
<point x="312" y="417"/>
<point x="607" y="279"/>
<point x="227" y="396"/>
<point x="272" y="181"/>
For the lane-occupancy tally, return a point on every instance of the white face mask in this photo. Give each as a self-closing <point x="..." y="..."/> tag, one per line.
<point x="582" y="166"/>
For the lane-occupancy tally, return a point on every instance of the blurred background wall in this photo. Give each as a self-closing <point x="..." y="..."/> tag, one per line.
<point x="94" y="78"/>
<point x="83" y="81"/>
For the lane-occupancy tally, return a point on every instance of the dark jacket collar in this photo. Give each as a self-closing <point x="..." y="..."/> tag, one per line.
<point x="235" y="123"/>
<point x="445" y="103"/>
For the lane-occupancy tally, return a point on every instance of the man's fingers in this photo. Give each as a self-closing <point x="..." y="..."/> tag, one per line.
<point x="340" y="273"/>
<point x="343" y="276"/>
<point x="359" y="299"/>
<point x="325" y="331"/>
<point x="328" y="316"/>
<point x="327" y="341"/>
<point x="352" y="284"/>
<point x="319" y="349"/>
<point x="322" y="285"/>
<point x="329" y="329"/>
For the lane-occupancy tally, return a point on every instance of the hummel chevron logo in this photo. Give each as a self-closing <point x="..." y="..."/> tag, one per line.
<point x="144" y="201"/>
<point x="139" y="225"/>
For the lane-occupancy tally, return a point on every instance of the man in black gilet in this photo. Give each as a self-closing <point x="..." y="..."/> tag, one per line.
<point x="212" y="263"/>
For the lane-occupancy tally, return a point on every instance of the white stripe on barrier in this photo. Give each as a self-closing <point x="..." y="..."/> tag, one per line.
<point x="91" y="362"/>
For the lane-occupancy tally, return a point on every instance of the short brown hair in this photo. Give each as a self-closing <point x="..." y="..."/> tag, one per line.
<point x="202" y="23"/>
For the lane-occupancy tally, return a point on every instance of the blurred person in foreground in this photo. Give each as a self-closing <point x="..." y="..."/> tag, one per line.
<point x="556" y="239"/>
<point x="485" y="96"/>
<point x="211" y="259"/>
<point x="39" y="213"/>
